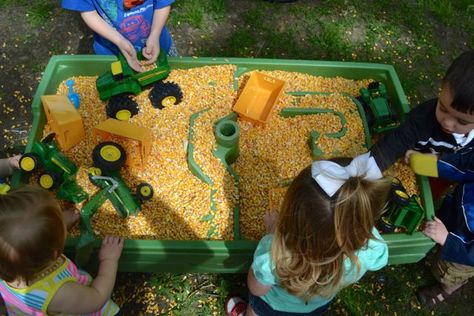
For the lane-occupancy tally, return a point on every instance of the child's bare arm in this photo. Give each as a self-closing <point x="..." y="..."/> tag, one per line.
<point x="98" y="25"/>
<point x="92" y="297"/>
<point x="255" y="287"/>
<point x="152" y="48"/>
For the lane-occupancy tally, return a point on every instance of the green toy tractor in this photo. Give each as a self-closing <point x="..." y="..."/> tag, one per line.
<point x="121" y="81"/>
<point x="58" y="172"/>
<point x="402" y="210"/>
<point x="108" y="157"/>
<point x="380" y="116"/>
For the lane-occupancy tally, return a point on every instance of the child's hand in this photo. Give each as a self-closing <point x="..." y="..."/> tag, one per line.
<point x="270" y="219"/>
<point x="71" y="214"/>
<point x="111" y="248"/>
<point x="408" y="154"/>
<point x="130" y="54"/>
<point x="151" y="51"/>
<point x="15" y="161"/>
<point x="436" y="230"/>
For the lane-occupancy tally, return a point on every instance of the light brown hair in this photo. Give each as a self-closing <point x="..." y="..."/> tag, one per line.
<point x="315" y="233"/>
<point x="32" y="232"/>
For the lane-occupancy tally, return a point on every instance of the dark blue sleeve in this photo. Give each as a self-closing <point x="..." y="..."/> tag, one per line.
<point x="458" y="251"/>
<point x="395" y="143"/>
<point x="456" y="167"/>
<point x="78" y="5"/>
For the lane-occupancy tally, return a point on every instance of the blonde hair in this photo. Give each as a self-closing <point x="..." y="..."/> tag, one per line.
<point x="32" y="232"/>
<point x="315" y="233"/>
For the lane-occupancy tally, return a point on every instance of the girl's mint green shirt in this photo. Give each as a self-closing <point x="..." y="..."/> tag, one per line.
<point x="372" y="257"/>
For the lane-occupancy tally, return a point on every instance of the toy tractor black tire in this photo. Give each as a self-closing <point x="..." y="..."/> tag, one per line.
<point x="29" y="162"/>
<point x="108" y="156"/>
<point x="121" y="107"/>
<point x="144" y="191"/>
<point x="385" y="226"/>
<point x="49" y="180"/>
<point x="164" y="94"/>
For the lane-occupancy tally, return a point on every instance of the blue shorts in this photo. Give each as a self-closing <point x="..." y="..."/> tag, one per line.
<point x="261" y="307"/>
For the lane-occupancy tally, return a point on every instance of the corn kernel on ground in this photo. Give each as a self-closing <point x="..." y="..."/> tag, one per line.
<point x="269" y="155"/>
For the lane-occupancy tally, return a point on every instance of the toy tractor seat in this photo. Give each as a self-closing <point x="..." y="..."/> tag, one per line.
<point x="116" y="69"/>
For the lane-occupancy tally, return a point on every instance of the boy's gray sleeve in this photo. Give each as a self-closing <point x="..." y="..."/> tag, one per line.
<point x="5" y="168"/>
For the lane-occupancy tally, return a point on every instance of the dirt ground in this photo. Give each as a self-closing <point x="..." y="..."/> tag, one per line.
<point x="24" y="53"/>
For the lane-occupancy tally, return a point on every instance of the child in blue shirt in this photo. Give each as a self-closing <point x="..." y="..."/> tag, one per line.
<point x="444" y="127"/>
<point x="127" y="26"/>
<point x="324" y="240"/>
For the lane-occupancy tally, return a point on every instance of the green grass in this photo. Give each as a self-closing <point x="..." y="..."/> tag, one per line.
<point x="196" y="12"/>
<point x="443" y="9"/>
<point x="38" y="11"/>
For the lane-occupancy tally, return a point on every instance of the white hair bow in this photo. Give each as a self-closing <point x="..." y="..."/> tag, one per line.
<point x="331" y="176"/>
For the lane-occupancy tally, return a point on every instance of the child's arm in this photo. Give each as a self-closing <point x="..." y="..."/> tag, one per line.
<point x="255" y="287"/>
<point x="152" y="48"/>
<point x="74" y="298"/>
<point x="456" y="167"/>
<point x="449" y="166"/>
<point x="98" y="25"/>
<point x="395" y="143"/>
<point x="7" y="165"/>
<point x="454" y="248"/>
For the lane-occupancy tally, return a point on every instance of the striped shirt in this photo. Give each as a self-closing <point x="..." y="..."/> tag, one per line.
<point x="34" y="300"/>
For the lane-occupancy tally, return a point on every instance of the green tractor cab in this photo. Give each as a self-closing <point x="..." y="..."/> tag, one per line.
<point x="402" y="211"/>
<point x="58" y="172"/>
<point x="121" y="81"/>
<point x="379" y="114"/>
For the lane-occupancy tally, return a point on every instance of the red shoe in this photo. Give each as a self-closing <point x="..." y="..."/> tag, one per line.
<point x="235" y="306"/>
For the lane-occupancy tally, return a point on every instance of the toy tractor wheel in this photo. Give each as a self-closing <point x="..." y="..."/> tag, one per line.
<point x="144" y="191"/>
<point x="397" y="185"/>
<point x="401" y="197"/>
<point x="49" y="180"/>
<point x="108" y="156"/>
<point x="384" y="225"/>
<point x="165" y="94"/>
<point x="122" y="107"/>
<point x="29" y="162"/>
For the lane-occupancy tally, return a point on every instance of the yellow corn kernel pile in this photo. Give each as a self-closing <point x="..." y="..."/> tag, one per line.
<point x="269" y="155"/>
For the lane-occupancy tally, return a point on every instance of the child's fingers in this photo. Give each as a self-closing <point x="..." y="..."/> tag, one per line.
<point x="134" y="64"/>
<point x="152" y="56"/>
<point x="437" y="220"/>
<point x="147" y="51"/>
<point x="131" y="56"/>
<point x="15" y="161"/>
<point x="113" y="241"/>
<point x="408" y="154"/>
